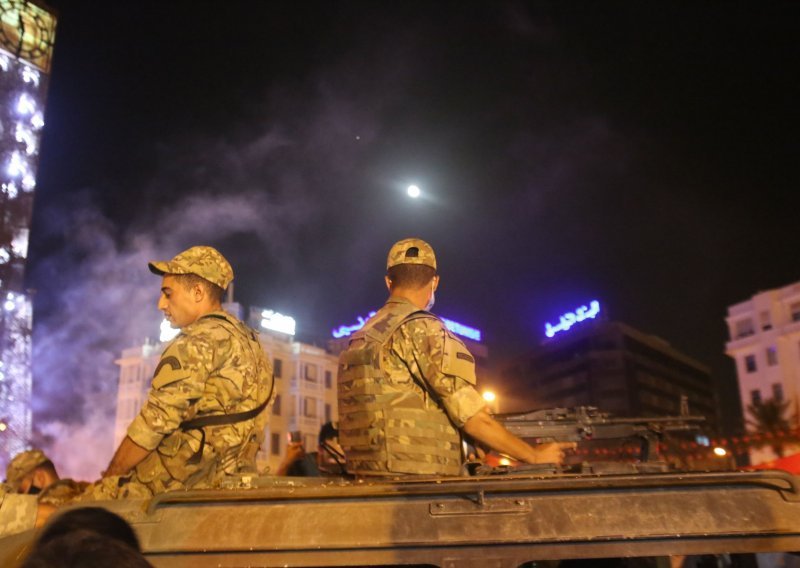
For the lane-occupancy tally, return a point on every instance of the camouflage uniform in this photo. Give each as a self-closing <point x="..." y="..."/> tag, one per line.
<point x="57" y="493"/>
<point x="62" y="492"/>
<point x="22" y="465"/>
<point x="17" y="512"/>
<point x="406" y="386"/>
<point x="213" y="368"/>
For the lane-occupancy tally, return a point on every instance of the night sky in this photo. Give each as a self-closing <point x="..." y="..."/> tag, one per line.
<point x="643" y="154"/>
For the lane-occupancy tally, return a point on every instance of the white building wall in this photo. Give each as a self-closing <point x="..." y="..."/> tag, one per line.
<point x="764" y="341"/>
<point x="305" y="392"/>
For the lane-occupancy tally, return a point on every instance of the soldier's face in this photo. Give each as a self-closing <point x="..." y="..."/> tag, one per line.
<point x="180" y="306"/>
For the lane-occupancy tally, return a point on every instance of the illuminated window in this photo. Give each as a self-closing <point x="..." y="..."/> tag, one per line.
<point x="276" y="406"/>
<point x="277" y="368"/>
<point x="755" y="397"/>
<point x="310" y="373"/>
<point x="328" y="380"/>
<point x="744" y="328"/>
<point x="750" y="363"/>
<point x="766" y="323"/>
<point x="310" y="407"/>
<point x="275" y="444"/>
<point x="777" y="392"/>
<point x="772" y="356"/>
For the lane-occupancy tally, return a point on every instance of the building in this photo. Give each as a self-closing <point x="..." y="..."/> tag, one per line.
<point x="27" y="33"/>
<point x="616" y="368"/>
<point x="305" y="384"/>
<point x="764" y="341"/>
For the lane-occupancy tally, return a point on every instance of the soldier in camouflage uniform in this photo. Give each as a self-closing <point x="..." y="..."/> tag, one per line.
<point x="406" y="384"/>
<point x="204" y="416"/>
<point x="32" y="472"/>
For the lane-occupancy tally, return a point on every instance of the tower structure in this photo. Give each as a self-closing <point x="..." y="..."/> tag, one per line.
<point x="27" y="32"/>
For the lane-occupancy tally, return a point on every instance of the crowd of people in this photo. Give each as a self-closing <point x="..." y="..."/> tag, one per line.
<point x="407" y="403"/>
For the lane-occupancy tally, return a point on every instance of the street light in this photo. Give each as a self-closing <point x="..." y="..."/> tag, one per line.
<point x="413" y="191"/>
<point x="491" y="401"/>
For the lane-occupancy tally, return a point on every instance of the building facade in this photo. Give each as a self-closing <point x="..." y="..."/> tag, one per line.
<point x="305" y="388"/>
<point x="764" y="334"/>
<point x="617" y="369"/>
<point x="27" y="33"/>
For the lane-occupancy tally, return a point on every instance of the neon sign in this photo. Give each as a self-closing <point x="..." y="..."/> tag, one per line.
<point x="455" y="327"/>
<point x="461" y="329"/>
<point x="569" y="319"/>
<point x="277" y="322"/>
<point x="345" y="330"/>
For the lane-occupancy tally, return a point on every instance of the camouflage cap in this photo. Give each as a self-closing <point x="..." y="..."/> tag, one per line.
<point x="411" y="251"/>
<point x="22" y="464"/>
<point x="205" y="262"/>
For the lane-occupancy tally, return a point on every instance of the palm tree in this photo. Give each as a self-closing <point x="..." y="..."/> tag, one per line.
<point x="768" y="418"/>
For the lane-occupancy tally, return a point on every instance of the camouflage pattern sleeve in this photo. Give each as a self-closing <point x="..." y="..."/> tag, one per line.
<point x="443" y="362"/>
<point x="178" y="383"/>
<point x="17" y="513"/>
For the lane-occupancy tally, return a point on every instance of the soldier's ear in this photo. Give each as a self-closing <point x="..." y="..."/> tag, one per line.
<point x="388" y="283"/>
<point x="199" y="292"/>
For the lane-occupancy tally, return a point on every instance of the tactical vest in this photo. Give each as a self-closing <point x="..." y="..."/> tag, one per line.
<point x="387" y="428"/>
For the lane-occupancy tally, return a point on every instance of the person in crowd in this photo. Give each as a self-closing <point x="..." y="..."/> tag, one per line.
<point x="327" y="460"/>
<point x="87" y="537"/>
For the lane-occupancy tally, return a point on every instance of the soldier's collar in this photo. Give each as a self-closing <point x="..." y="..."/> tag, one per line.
<point x="400" y="300"/>
<point x="219" y="314"/>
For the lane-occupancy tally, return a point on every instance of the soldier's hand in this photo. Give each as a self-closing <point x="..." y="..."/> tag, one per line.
<point x="552" y="452"/>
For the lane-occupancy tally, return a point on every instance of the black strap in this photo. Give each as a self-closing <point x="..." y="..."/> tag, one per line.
<point x="218" y="420"/>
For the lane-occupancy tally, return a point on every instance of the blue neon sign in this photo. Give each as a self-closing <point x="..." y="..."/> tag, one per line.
<point x="345" y="330"/>
<point x="461" y="329"/>
<point x="454" y="326"/>
<point x="569" y="319"/>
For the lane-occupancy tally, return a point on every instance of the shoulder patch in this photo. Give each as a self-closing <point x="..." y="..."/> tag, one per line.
<point x="168" y="371"/>
<point x="172" y="361"/>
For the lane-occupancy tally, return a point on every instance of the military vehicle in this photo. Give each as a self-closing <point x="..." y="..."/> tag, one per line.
<point x="638" y="513"/>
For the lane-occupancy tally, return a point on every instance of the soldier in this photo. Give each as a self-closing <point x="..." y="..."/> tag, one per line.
<point x="204" y="416"/>
<point x="406" y="384"/>
<point x="32" y="472"/>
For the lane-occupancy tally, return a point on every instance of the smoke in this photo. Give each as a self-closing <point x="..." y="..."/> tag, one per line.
<point x="300" y="192"/>
<point x="102" y="299"/>
<point x="262" y="192"/>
